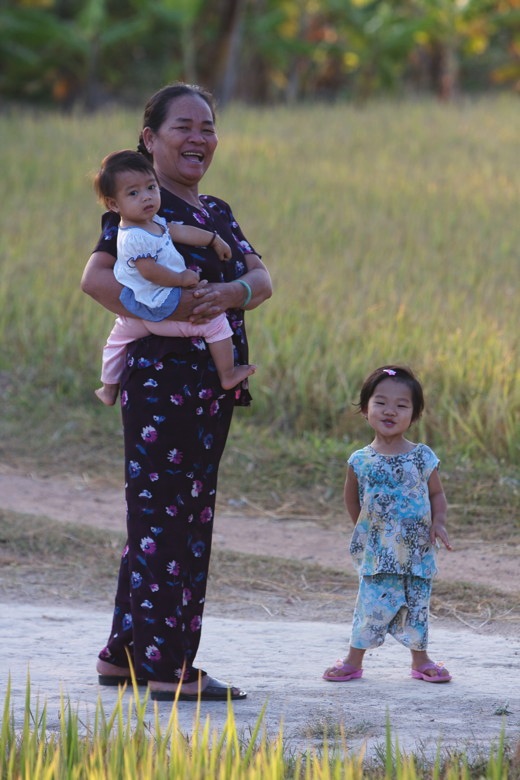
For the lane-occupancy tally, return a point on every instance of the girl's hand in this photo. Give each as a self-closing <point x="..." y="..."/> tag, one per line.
<point x="438" y="531"/>
<point x="188" y="278"/>
<point x="222" y="248"/>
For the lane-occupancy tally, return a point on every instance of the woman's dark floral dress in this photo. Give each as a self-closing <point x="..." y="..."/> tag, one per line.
<point x="176" y="419"/>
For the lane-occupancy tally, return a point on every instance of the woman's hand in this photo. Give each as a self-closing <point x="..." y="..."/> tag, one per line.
<point x="208" y="301"/>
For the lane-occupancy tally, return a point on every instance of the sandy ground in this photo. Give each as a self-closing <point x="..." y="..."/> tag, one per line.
<point x="279" y="662"/>
<point x="280" y="665"/>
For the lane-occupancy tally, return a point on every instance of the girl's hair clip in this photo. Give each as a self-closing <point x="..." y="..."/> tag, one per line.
<point x="389" y="371"/>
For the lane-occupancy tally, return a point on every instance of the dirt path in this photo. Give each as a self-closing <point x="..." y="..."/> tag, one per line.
<point x="73" y="499"/>
<point x="289" y="652"/>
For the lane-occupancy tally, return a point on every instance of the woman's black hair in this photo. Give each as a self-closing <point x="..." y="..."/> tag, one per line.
<point x="156" y="109"/>
<point x="119" y="162"/>
<point x="399" y="374"/>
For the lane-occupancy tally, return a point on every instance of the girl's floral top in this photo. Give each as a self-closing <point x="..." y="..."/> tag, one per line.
<point x="392" y="531"/>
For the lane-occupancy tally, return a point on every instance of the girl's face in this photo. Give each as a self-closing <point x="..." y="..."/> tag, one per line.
<point x="390" y="408"/>
<point x="184" y="145"/>
<point x="137" y="198"/>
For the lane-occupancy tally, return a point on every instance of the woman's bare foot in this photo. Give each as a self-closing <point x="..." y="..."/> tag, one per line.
<point x="191" y="688"/>
<point x="103" y="667"/>
<point x="110" y="674"/>
<point x="238" y="374"/>
<point x="107" y="394"/>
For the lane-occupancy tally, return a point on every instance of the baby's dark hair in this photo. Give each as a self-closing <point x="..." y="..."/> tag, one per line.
<point x="105" y="181"/>
<point x="399" y="374"/>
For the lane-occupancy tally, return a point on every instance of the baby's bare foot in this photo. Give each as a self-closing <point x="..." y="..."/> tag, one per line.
<point x="237" y="375"/>
<point x="107" y="394"/>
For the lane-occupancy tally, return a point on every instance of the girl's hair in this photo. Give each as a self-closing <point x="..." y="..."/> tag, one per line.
<point x="105" y="181"/>
<point x="156" y="109"/>
<point x="399" y="374"/>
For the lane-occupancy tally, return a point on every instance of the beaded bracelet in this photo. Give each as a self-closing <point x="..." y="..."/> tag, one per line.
<point x="212" y="241"/>
<point x="249" y="292"/>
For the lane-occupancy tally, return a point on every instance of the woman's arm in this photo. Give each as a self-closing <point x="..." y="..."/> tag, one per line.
<point x="99" y="282"/>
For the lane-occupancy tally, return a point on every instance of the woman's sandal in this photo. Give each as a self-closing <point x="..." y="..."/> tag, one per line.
<point x="117" y="679"/>
<point x="438" y="677"/>
<point x="214" y="691"/>
<point x="345" y="672"/>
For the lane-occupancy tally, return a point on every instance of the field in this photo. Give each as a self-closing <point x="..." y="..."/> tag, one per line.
<point x="391" y="234"/>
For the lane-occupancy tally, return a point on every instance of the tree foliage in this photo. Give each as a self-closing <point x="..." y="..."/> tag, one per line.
<point x="89" y="51"/>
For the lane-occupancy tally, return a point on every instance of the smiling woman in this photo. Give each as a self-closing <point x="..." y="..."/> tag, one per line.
<point x="176" y="414"/>
<point x="182" y="146"/>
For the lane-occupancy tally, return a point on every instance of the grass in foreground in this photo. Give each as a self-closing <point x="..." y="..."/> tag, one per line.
<point x="130" y="744"/>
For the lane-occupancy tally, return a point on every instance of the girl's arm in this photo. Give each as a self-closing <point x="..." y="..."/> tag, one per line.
<point x="439" y="507"/>
<point x="351" y="495"/>
<point x="194" y="236"/>
<point x="165" y="277"/>
<point x="99" y="282"/>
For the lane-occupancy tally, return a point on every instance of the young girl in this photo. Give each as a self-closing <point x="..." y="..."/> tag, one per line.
<point x="152" y="271"/>
<point x="394" y="496"/>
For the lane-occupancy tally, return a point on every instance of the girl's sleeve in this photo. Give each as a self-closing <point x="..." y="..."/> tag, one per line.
<point x="431" y="462"/>
<point x="354" y="462"/>
<point x="136" y="246"/>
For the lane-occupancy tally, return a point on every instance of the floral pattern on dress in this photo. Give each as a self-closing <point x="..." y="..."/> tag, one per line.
<point x="392" y="534"/>
<point x="176" y="419"/>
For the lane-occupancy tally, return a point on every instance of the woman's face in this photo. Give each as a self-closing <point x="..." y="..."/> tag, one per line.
<point x="184" y="145"/>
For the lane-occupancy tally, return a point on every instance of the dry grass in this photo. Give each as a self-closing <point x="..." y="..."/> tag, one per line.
<point x="396" y="241"/>
<point x="49" y="562"/>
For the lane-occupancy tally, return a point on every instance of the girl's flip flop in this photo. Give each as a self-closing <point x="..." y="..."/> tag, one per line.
<point x="342" y="672"/>
<point x="438" y="677"/>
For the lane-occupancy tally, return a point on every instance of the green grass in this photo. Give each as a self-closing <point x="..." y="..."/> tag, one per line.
<point x="391" y="234"/>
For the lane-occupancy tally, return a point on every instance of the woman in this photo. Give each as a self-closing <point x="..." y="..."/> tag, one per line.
<point x="176" y="416"/>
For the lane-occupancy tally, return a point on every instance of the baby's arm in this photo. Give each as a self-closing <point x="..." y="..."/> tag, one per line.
<point x="194" y="236"/>
<point x="351" y="495"/>
<point x="164" y="277"/>
<point x="439" y="507"/>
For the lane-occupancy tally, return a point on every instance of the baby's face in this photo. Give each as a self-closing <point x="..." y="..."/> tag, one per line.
<point x="137" y="198"/>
